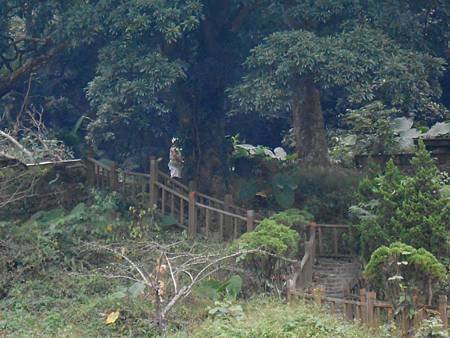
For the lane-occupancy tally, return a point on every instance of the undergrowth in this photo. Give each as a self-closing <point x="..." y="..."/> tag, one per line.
<point x="268" y="317"/>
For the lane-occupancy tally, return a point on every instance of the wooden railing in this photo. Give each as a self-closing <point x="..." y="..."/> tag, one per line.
<point x="194" y="211"/>
<point x="303" y="274"/>
<point x="366" y="308"/>
<point x="331" y="240"/>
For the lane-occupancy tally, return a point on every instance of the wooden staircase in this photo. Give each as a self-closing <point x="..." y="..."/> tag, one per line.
<point x="198" y="213"/>
<point x="327" y="262"/>
<point x="336" y="274"/>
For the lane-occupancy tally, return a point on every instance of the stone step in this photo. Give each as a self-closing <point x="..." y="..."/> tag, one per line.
<point x="334" y="274"/>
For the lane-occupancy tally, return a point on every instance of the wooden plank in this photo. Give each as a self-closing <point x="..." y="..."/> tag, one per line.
<point x="320" y="241"/>
<point x="192" y="228"/>
<point x="169" y="190"/>
<point x="371" y="297"/>
<point x="335" y="240"/>
<point x="250" y="220"/>
<point x="181" y="211"/>
<point x="221" y="223"/>
<point x="207" y="222"/>
<point x="220" y="211"/>
<point x="363" y="300"/>
<point x="443" y="310"/>
<point x="163" y="201"/>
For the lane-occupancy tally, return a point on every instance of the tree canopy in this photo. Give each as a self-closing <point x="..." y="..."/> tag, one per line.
<point x="134" y="74"/>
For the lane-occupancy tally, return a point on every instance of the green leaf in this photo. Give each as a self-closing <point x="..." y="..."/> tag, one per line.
<point x="233" y="286"/>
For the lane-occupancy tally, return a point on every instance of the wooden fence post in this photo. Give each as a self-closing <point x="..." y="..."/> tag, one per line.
<point x="443" y="311"/>
<point x="153" y="189"/>
<point x="192" y="227"/>
<point x="114" y="177"/>
<point x="250" y="220"/>
<point x="90" y="168"/>
<point x="335" y="240"/>
<point x="318" y="294"/>
<point x="228" y="200"/>
<point x="363" y="309"/>
<point x="290" y="289"/>
<point x="371" y="297"/>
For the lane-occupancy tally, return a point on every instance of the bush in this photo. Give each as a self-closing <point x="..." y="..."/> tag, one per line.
<point x="326" y="193"/>
<point x="271" y="318"/>
<point x="411" y="209"/>
<point x="277" y="240"/>
<point x="401" y="271"/>
<point x="271" y="237"/>
<point x="52" y="237"/>
<point x="293" y="218"/>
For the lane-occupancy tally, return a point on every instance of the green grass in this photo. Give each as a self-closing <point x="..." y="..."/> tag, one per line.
<point x="62" y="305"/>
<point x="267" y="317"/>
<point x="59" y="304"/>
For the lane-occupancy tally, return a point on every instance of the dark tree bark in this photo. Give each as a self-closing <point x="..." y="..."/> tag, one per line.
<point x="8" y="82"/>
<point x="309" y="125"/>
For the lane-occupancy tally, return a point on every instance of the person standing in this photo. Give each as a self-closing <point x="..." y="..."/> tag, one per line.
<point x="175" y="160"/>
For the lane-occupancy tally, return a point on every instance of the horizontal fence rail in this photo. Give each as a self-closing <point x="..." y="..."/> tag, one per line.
<point x="367" y="309"/>
<point x="199" y="213"/>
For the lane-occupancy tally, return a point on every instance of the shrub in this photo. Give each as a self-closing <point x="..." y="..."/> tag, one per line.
<point x="293" y="218"/>
<point x="401" y="271"/>
<point x="52" y="237"/>
<point x="326" y="193"/>
<point x="411" y="209"/>
<point x="277" y="240"/>
<point x="271" y="318"/>
<point x="271" y="237"/>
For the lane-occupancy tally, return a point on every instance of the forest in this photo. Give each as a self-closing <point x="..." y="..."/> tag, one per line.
<point x="224" y="168"/>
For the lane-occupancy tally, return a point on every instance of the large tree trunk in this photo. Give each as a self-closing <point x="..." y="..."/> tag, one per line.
<point x="308" y="121"/>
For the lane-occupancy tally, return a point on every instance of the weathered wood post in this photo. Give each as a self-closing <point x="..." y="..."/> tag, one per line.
<point x="228" y="221"/>
<point x="114" y="177"/>
<point x="318" y="294"/>
<point x="153" y="189"/>
<point x="250" y="220"/>
<point x="192" y="227"/>
<point x="371" y="297"/>
<point x="290" y="289"/>
<point x="363" y="309"/>
<point x="90" y="168"/>
<point x="335" y="240"/>
<point x="443" y="311"/>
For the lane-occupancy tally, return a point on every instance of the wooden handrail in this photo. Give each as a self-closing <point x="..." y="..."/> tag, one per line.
<point x="174" y="182"/>
<point x="134" y="173"/>
<point x="220" y="211"/>
<point x="98" y="163"/>
<point x="176" y="193"/>
<point x="77" y="160"/>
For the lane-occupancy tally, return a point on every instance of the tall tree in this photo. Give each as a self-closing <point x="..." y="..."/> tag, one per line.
<point x="343" y="47"/>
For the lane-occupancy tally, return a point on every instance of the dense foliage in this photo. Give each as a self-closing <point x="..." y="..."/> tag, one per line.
<point x="404" y="275"/>
<point x="413" y="209"/>
<point x="119" y="79"/>
<point x="278" y="242"/>
<point x="265" y="318"/>
<point x="131" y="75"/>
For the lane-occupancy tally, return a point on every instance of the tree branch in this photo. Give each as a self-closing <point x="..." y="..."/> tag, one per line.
<point x="7" y="82"/>
<point x="16" y="144"/>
